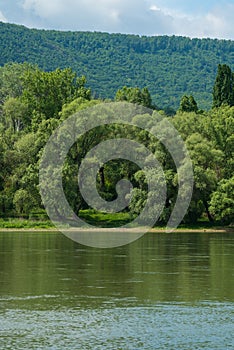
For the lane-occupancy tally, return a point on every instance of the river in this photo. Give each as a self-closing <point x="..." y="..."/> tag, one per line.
<point x="164" y="291"/>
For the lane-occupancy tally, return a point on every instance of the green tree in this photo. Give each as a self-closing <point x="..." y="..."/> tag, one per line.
<point x="221" y="204"/>
<point x="188" y="104"/>
<point x="47" y="92"/>
<point x="76" y="105"/>
<point x="223" y="91"/>
<point x="23" y="202"/>
<point x="11" y="79"/>
<point x="15" y="114"/>
<point x="206" y="164"/>
<point x="134" y="95"/>
<point x="115" y="60"/>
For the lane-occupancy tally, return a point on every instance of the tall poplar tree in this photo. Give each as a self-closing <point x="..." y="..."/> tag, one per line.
<point x="223" y="91"/>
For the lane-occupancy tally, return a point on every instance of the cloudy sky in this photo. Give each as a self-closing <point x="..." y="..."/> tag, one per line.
<point x="197" y="18"/>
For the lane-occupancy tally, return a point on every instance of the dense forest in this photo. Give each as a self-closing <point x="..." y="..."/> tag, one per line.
<point x="168" y="66"/>
<point x="33" y="103"/>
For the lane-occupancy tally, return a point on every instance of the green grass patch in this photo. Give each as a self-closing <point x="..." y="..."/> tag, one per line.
<point x="25" y="224"/>
<point x="92" y="217"/>
<point x="101" y="219"/>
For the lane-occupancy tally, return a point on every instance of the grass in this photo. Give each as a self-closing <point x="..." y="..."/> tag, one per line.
<point x="108" y="220"/>
<point x="100" y="219"/>
<point x="92" y="217"/>
<point x="10" y="223"/>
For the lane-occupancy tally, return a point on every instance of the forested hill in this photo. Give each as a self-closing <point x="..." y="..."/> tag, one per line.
<point x="169" y="66"/>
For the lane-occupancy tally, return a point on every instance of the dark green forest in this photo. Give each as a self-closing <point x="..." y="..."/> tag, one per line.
<point x="34" y="102"/>
<point x="169" y="67"/>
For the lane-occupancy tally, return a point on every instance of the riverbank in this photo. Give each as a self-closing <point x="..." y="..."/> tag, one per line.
<point x="105" y="222"/>
<point x="219" y="229"/>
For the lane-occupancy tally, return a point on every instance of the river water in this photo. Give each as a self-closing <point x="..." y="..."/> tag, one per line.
<point x="164" y="291"/>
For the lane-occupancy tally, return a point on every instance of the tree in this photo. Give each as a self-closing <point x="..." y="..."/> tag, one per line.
<point x="47" y="92"/>
<point x="15" y="113"/>
<point x="134" y="95"/>
<point x="11" y="79"/>
<point x="206" y="163"/>
<point x="221" y="204"/>
<point x="23" y="202"/>
<point x="188" y="104"/>
<point x="223" y="91"/>
<point x="76" y="105"/>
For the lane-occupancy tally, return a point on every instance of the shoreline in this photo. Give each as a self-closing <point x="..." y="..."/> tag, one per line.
<point x="218" y="229"/>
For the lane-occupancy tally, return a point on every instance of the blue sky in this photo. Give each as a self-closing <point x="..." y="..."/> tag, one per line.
<point x="200" y="18"/>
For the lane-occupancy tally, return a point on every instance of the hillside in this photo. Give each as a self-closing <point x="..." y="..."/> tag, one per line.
<point x="168" y="66"/>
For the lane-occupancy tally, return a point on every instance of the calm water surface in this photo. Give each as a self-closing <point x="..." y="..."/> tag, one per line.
<point x="164" y="291"/>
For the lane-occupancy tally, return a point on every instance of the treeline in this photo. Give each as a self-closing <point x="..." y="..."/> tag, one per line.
<point x="33" y="103"/>
<point x="169" y="66"/>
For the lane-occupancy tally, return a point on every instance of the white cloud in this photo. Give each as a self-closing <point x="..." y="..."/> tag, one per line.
<point x="221" y="21"/>
<point x="155" y="8"/>
<point x="131" y="16"/>
<point x="76" y="14"/>
<point x="146" y="17"/>
<point x="2" y="17"/>
<point x="217" y="23"/>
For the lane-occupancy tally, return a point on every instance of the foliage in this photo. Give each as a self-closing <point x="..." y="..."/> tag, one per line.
<point x="97" y="218"/>
<point x="188" y="104"/>
<point x="223" y="91"/>
<point x="15" y="113"/>
<point x="169" y="66"/>
<point x="47" y="92"/>
<point x="25" y="224"/>
<point x="23" y="201"/>
<point x="209" y="138"/>
<point x="33" y="109"/>
<point x="134" y="95"/>
<point x="11" y="79"/>
<point x="222" y="201"/>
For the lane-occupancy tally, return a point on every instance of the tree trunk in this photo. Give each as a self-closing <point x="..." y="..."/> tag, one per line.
<point x="210" y="217"/>
<point x="102" y="176"/>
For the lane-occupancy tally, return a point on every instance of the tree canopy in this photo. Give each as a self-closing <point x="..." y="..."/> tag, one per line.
<point x="33" y="108"/>
<point x="223" y="91"/>
<point x="188" y="104"/>
<point x="169" y="66"/>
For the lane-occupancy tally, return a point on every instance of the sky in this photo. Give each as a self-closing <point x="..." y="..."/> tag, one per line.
<point x="197" y="18"/>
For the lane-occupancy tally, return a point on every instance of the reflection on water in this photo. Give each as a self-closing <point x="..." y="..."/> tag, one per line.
<point x="164" y="291"/>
